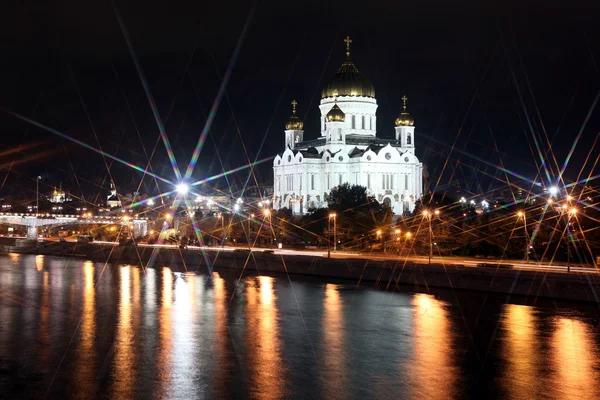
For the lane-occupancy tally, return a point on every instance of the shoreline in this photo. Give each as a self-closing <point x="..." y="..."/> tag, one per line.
<point x="386" y="273"/>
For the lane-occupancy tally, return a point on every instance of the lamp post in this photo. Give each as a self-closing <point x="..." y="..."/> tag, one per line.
<point x="429" y="215"/>
<point x="333" y="216"/>
<point x="267" y="214"/>
<point x="249" y="231"/>
<point x="572" y="211"/>
<point x="37" y="195"/>
<point x="521" y="214"/>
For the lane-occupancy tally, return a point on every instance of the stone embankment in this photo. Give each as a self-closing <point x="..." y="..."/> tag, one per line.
<point x="384" y="273"/>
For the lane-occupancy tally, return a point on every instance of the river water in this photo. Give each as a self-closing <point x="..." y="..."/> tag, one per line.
<point x="78" y="329"/>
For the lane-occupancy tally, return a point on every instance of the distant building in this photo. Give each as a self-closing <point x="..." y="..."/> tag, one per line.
<point x="59" y="196"/>
<point x="113" y="201"/>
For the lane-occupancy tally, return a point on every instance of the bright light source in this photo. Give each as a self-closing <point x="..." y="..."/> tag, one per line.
<point x="520" y="214"/>
<point x="150" y="202"/>
<point x="553" y="190"/>
<point x="236" y="207"/>
<point x="463" y="200"/>
<point x="182" y="188"/>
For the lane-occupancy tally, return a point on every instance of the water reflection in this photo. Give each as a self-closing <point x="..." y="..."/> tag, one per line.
<point x="262" y="339"/>
<point x="164" y="362"/>
<point x="522" y="352"/>
<point x="124" y="357"/>
<point x="43" y="336"/>
<point x="84" y="371"/>
<point x="334" y="371"/>
<point x="220" y="332"/>
<point x="432" y="371"/>
<point x="574" y="359"/>
<point x="39" y="262"/>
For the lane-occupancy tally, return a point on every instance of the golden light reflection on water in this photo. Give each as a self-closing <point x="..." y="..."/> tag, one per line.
<point x="522" y="351"/>
<point x="43" y="336"/>
<point x="263" y="342"/>
<point x="84" y="371"/>
<point x="124" y="354"/>
<point x="575" y="366"/>
<point x="220" y="331"/>
<point x="433" y="373"/>
<point x="39" y="262"/>
<point x="165" y="333"/>
<point x="334" y="371"/>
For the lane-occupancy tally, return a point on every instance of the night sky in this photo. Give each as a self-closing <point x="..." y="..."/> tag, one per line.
<point x="485" y="79"/>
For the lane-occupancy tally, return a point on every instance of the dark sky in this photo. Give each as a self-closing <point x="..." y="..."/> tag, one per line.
<point x="484" y="78"/>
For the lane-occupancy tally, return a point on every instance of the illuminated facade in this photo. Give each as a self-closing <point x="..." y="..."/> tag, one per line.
<point x="348" y="150"/>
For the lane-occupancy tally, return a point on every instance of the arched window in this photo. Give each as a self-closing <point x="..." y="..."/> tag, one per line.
<point x="405" y="182"/>
<point x="340" y="180"/>
<point x="364" y="124"/>
<point x="408" y="139"/>
<point x="354" y="122"/>
<point x="312" y="182"/>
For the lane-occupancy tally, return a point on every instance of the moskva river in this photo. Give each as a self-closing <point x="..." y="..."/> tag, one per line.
<point x="79" y="329"/>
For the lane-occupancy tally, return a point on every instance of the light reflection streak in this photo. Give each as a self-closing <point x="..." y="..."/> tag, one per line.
<point x="334" y="371"/>
<point x="163" y="358"/>
<point x="574" y="365"/>
<point x="263" y="341"/>
<point x="220" y="331"/>
<point x="522" y="352"/>
<point x="433" y="372"/>
<point x="84" y="371"/>
<point x="123" y="359"/>
<point x="43" y="337"/>
<point x="183" y="363"/>
<point x="39" y="262"/>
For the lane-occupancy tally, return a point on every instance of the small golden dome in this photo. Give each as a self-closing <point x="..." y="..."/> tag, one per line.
<point x="335" y="114"/>
<point x="294" y="122"/>
<point x="405" y="119"/>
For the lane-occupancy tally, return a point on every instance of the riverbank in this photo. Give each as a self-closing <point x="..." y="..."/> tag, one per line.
<point x="384" y="273"/>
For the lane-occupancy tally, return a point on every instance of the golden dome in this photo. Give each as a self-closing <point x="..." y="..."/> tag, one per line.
<point x="335" y="114"/>
<point x="294" y="122"/>
<point x="405" y="119"/>
<point x="348" y="81"/>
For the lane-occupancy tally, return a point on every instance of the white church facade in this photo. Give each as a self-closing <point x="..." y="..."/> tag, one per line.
<point x="348" y="150"/>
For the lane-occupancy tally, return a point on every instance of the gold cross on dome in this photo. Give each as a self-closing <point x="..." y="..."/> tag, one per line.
<point x="404" y="98"/>
<point x="294" y="106"/>
<point x="348" y="41"/>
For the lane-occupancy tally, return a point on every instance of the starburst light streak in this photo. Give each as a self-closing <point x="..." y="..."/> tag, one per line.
<point x="529" y="123"/>
<point x="159" y="123"/>
<point x="587" y="117"/>
<point x="505" y="170"/>
<point x="87" y="146"/>
<point x="219" y="98"/>
<point x="231" y="171"/>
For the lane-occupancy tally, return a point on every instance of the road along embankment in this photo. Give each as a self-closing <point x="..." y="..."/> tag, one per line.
<point x="384" y="273"/>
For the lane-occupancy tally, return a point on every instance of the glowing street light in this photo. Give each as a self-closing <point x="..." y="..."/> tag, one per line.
<point x="150" y="202"/>
<point x="521" y="214"/>
<point x="182" y="188"/>
<point x="333" y="216"/>
<point x="553" y="190"/>
<point x="266" y="212"/>
<point x="236" y="207"/>
<point x="168" y="217"/>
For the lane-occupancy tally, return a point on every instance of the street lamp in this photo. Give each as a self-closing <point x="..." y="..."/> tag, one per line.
<point x="521" y="214"/>
<point x="333" y="216"/>
<point x="571" y="212"/>
<point x="182" y="188"/>
<point x="37" y="195"/>
<point x="429" y="215"/>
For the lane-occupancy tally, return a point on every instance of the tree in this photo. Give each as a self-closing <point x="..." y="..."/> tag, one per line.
<point x="358" y="215"/>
